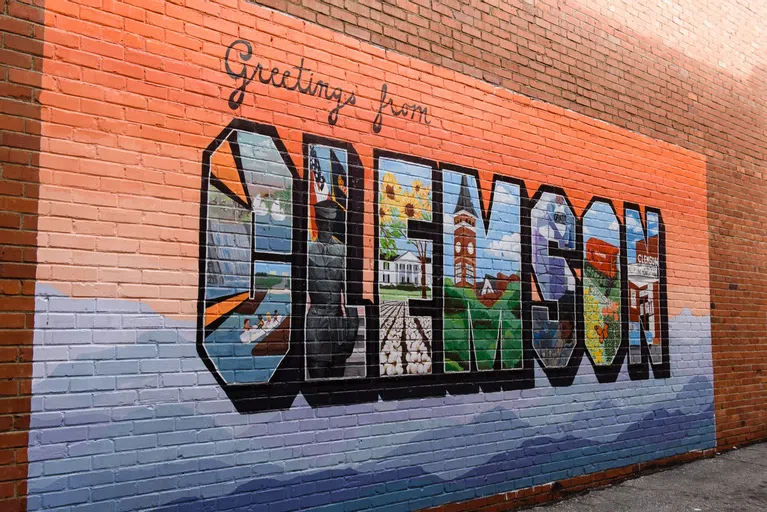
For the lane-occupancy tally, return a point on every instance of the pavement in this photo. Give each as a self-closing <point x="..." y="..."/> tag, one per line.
<point x="734" y="481"/>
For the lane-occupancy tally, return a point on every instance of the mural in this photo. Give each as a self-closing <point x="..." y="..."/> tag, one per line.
<point x="645" y="286"/>
<point x="602" y="282"/>
<point x="555" y="318"/>
<point x="391" y="295"/>
<point x="249" y="462"/>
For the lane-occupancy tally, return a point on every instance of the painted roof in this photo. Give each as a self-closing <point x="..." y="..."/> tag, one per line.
<point x="464" y="199"/>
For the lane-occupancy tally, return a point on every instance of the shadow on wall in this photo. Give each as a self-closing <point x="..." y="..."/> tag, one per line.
<point x="736" y="150"/>
<point x="21" y="83"/>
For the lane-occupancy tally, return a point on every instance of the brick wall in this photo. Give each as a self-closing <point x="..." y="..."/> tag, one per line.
<point x="156" y="176"/>
<point x="20" y="122"/>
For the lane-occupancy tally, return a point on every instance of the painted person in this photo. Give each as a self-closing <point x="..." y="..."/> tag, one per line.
<point x="245" y="334"/>
<point x="330" y="331"/>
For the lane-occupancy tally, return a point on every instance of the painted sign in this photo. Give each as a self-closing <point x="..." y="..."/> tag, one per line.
<point x="464" y="293"/>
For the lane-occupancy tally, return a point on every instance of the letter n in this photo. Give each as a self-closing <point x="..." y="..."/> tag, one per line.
<point x="647" y="307"/>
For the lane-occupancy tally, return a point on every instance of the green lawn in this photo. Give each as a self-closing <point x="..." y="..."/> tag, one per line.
<point x="391" y="293"/>
<point x="264" y="281"/>
<point x="484" y="320"/>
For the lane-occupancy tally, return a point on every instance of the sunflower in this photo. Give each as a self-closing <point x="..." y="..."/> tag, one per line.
<point x="410" y="207"/>
<point x="384" y="213"/>
<point x="390" y="189"/>
<point x="420" y="190"/>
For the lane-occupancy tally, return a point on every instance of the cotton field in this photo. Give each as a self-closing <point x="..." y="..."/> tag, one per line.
<point x="405" y="341"/>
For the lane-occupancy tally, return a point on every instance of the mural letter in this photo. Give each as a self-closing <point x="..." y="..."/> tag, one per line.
<point x="246" y="249"/>
<point x="553" y="234"/>
<point x="602" y="282"/>
<point x="646" y="285"/>
<point x="482" y="313"/>
<point x="404" y="200"/>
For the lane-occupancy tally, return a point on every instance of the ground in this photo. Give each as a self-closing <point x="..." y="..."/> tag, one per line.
<point x="735" y="481"/>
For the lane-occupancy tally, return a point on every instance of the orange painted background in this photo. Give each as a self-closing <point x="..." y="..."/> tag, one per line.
<point x="132" y="96"/>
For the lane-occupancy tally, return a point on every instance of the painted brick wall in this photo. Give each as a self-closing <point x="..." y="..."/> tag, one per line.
<point x="141" y="174"/>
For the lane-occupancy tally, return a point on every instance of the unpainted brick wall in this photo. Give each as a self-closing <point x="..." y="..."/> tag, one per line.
<point x="21" y="53"/>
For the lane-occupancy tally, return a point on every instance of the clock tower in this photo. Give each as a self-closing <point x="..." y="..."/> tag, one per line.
<point x="465" y="239"/>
